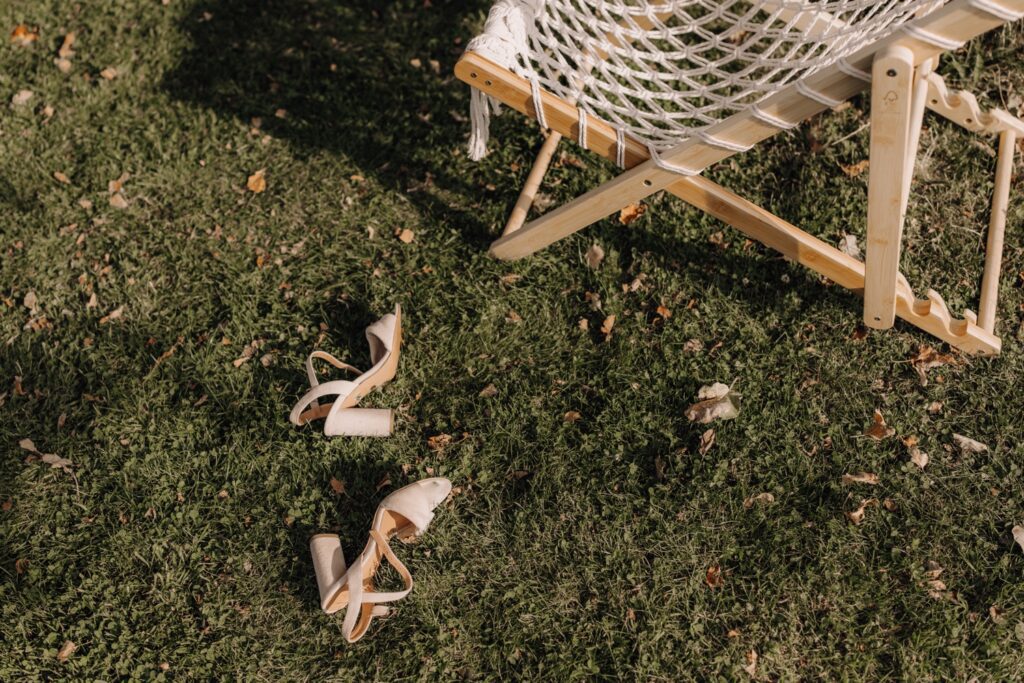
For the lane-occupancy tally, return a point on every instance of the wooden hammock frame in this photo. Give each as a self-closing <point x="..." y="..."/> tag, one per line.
<point x="898" y="68"/>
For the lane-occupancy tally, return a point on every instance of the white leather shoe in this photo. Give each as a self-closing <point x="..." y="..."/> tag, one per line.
<point x="406" y="513"/>
<point x="385" y="339"/>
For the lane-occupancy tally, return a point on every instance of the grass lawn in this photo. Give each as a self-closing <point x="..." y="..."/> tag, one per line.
<point x="158" y="346"/>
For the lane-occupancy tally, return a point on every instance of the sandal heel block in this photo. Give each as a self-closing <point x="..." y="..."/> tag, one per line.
<point x="376" y="422"/>
<point x="384" y="338"/>
<point x="328" y="565"/>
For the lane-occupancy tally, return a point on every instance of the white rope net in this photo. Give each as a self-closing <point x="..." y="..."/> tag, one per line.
<point x="663" y="72"/>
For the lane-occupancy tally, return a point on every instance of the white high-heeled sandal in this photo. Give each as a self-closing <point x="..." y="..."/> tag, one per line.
<point x="385" y="340"/>
<point x="406" y="513"/>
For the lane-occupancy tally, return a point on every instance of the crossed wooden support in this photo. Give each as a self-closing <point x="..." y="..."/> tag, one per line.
<point x="902" y="86"/>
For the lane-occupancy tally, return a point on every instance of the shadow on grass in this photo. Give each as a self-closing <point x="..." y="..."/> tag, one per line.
<point x="342" y="72"/>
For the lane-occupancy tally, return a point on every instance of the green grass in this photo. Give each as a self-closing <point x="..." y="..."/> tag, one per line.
<point x="574" y="550"/>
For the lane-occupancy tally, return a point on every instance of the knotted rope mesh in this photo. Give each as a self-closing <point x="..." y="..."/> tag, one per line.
<point x="664" y="72"/>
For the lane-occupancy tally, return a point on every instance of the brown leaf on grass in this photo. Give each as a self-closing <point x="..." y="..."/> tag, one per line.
<point x="854" y="170"/>
<point x="857" y="516"/>
<point x="110" y="73"/>
<point x="56" y="462"/>
<point x="713" y="577"/>
<point x="967" y="445"/>
<point x="24" y="36"/>
<point x="996" y="614"/>
<point x="760" y="499"/>
<point x="935" y="407"/>
<point x="338" y="486"/>
<point x="917" y="456"/>
<point x="117" y="185"/>
<point x="878" y="430"/>
<point x="113" y="315"/>
<point x="61" y="178"/>
<point x="606" y="327"/>
<point x="594" y="256"/>
<point x="31" y="302"/>
<point x="572" y="416"/>
<point x="490" y="391"/>
<point x="66" y="651"/>
<point x="21" y="565"/>
<point x="257" y="182"/>
<point x="63" y="64"/>
<point x="118" y="201"/>
<point x="406" y="236"/>
<point x="751" y="667"/>
<point x="707" y="440"/>
<point x="715" y="402"/>
<point x="848" y="245"/>
<point x="66" y="50"/>
<point x="860" y="478"/>
<point x="1018" y="535"/>
<point x="693" y="346"/>
<point x="927" y="358"/>
<point x="27" y="445"/>
<point x="438" y="441"/>
<point x="21" y="98"/>
<point x="632" y="212"/>
<point x="663" y="312"/>
<point x="513" y="317"/>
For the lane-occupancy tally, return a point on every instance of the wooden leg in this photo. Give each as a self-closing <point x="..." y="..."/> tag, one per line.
<point x="631" y="186"/>
<point x="930" y="314"/>
<point x="891" y="89"/>
<point x="529" y="192"/>
<point x="996" y="227"/>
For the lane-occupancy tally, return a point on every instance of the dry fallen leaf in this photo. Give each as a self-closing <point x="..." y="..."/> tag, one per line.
<point x="857" y="516"/>
<point x="55" y="461"/>
<point x="24" y="36"/>
<point x="760" y="499"/>
<point x="632" y="213"/>
<point x="490" y="391"/>
<point x="996" y="614"/>
<point x="917" y="456"/>
<point x="113" y="315"/>
<point x="257" y="182"/>
<point x="572" y="416"/>
<point x="66" y="47"/>
<point x="118" y="201"/>
<point x="1018" y="535"/>
<point x="60" y="177"/>
<point x="715" y="402"/>
<point x="664" y="312"/>
<point x="439" y="441"/>
<point x="66" y="651"/>
<point x="606" y="327"/>
<point x="707" y="440"/>
<point x="110" y="73"/>
<point x="967" y="445"/>
<point x="407" y="236"/>
<point x="21" y="98"/>
<point x="31" y="302"/>
<point x="337" y="486"/>
<point x="713" y="577"/>
<point x="594" y="256"/>
<point x="848" y="245"/>
<point x="854" y="170"/>
<point x="926" y="359"/>
<point x="751" y="667"/>
<point x="860" y="478"/>
<point x="935" y="407"/>
<point x="28" y="445"/>
<point x="878" y="430"/>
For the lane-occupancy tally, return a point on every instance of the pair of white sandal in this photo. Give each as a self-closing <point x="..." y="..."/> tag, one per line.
<point x="406" y="513"/>
<point x="343" y="419"/>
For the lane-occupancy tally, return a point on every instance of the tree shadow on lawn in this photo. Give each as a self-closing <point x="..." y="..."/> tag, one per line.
<point x="342" y="71"/>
